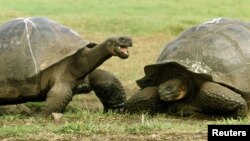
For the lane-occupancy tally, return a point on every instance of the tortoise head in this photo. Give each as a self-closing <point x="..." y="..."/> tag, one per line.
<point x="118" y="46"/>
<point x="172" y="90"/>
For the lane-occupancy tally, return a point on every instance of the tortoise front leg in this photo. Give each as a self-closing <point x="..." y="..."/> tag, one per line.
<point x="145" y="100"/>
<point x="183" y="109"/>
<point x="108" y="89"/>
<point x="58" y="98"/>
<point x="218" y="99"/>
<point x="83" y="87"/>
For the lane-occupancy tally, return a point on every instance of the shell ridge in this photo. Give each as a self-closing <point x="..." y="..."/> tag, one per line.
<point x="26" y="21"/>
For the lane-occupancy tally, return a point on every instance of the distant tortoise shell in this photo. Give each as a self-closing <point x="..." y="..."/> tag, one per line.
<point x="30" y="45"/>
<point x="219" y="48"/>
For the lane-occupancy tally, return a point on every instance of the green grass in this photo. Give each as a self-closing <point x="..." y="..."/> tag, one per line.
<point x="151" y="24"/>
<point x="83" y="123"/>
<point x="135" y="17"/>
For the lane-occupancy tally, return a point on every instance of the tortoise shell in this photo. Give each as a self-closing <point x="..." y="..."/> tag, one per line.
<point x="219" y="48"/>
<point x="31" y="45"/>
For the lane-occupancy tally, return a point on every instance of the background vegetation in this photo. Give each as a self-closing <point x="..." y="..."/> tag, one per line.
<point x="151" y="24"/>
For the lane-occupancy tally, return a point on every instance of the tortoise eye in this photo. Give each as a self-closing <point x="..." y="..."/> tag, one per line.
<point x="168" y="88"/>
<point x="122" y="40"/>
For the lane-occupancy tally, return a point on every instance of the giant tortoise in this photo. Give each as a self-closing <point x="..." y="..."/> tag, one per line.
<point x="204" y="70"/>
<point x="42" y="60"/>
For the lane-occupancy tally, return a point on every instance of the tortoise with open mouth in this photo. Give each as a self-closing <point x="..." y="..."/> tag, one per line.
<point x="42" y="60"/>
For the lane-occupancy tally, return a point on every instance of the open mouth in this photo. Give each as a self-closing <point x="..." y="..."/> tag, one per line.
<point x="123" y="49"/>
<point x="122" y="52"/>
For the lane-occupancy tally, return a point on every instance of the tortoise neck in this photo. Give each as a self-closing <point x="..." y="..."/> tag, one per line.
<point x="189" y="83"/>
<point x="89" y="59"/>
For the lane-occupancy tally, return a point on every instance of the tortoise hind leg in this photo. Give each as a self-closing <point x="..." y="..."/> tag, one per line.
<point x="108" y="89"/>
<point x="9" y="92"/>
<point x="9" y="95"/>
<point x="218" y="99"/>
<point x="15" y="109"/>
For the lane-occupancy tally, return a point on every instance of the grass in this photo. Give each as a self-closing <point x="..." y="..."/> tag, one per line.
<point x="83" y="123"/>
<point x="139" y="17"/>
<point x="151" y="24"/>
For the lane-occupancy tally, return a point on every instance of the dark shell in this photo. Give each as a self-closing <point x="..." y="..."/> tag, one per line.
<point x="219" y="48"/>
<point x="30" y="45"/>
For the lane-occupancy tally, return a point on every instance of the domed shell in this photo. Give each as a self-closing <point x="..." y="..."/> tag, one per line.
<point x="219" y="48"/>
<point x="30" y="45"/>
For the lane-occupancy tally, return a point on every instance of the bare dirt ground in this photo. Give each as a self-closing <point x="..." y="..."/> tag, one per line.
<point x="165" y="136"/>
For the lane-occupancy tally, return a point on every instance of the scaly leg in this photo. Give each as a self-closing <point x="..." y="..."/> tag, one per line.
<point x="146" y="100"/>
<point x="58" y="98"/>
<point x="218" y="99"/>
<point x="108" y="89"/>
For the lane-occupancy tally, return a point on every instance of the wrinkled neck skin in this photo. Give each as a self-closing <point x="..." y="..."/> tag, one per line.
<point x="88" y="59"/>
<point x="188" y="82"/>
